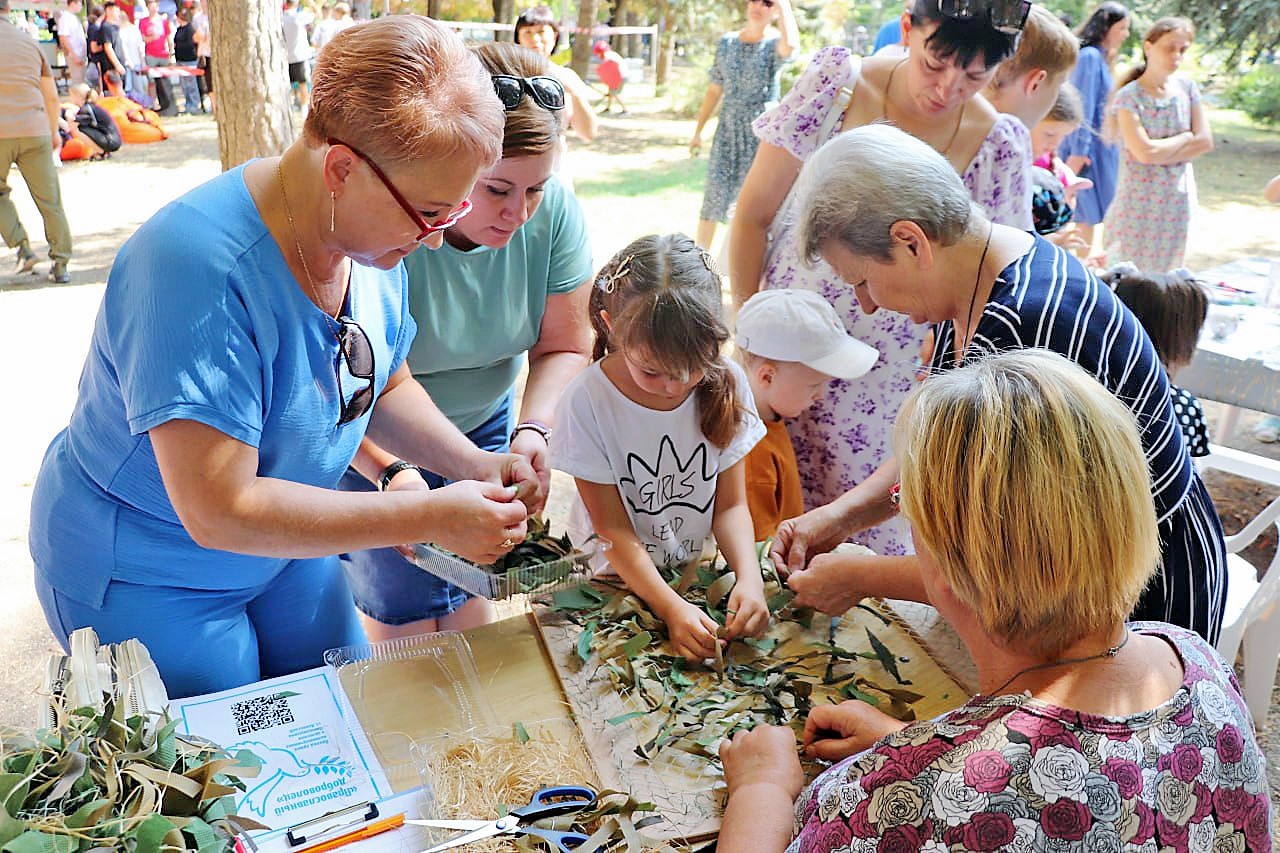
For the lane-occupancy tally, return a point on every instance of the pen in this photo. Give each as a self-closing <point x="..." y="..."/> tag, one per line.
<point x="367" y="831"/>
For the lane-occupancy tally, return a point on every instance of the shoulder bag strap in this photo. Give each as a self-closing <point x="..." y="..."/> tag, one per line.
<point x="836" y="113"/>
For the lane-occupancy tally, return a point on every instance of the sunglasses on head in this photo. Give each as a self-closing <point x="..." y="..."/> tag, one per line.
<point x="768" y="4"/>
<point x="1007" y="16"/>
<point x="355" y="350"/>
<point x="545" y="91"/>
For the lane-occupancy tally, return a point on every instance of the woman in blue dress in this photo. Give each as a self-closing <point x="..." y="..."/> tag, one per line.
<point x="251" y="333"/>
<point x="744" y="79"/>
<point x="1086" y="152"/>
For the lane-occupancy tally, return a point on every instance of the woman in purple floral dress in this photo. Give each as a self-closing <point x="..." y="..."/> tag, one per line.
<point x="932" y="94"/>
<point x="1088" y="734"/>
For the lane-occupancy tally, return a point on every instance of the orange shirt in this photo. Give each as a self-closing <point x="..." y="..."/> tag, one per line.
<point x="773" y="481"/>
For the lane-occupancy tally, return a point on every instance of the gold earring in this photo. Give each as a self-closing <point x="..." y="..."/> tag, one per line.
<point x="333" y="205"/>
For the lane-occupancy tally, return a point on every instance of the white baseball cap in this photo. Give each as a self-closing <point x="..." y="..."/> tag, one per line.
<point x="799" y="325"/>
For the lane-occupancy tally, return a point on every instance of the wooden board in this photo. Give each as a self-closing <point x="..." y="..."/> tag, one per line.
<point x="407" y="701"/>
<point x="687" y="790"/>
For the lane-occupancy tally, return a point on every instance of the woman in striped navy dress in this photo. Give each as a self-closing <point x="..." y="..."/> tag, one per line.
<point x="890" y="216"/>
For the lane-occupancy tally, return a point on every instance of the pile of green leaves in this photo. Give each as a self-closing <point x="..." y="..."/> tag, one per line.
<point x="540" y="560"/>
<point x="773" y="679"/>
<point x="96" y="781"/>
<point x="538" y="547"/>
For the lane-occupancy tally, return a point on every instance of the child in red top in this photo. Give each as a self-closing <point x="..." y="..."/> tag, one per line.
<point x="610" y="73"/>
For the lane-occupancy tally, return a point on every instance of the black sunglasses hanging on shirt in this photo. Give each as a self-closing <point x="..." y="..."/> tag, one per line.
<point x="355" y="350"/>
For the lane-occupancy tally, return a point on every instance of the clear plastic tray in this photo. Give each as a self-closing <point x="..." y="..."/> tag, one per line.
<point x="430" y="757"/>
<point x="435" y="674"/>
<point x="486" y="582"/>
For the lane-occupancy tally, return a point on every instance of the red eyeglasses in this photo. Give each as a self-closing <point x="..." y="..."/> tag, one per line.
<point x="425" y="228"/>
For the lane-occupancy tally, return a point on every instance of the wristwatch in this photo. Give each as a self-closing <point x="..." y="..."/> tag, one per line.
<point x="384" y="479"/>
<point x="536" y="426"/>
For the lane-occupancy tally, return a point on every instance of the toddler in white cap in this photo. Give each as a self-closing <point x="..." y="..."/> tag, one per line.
<point x="793" y="345"/>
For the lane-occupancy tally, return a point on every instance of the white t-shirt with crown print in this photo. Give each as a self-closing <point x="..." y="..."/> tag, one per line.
<point x="665" y="469"/>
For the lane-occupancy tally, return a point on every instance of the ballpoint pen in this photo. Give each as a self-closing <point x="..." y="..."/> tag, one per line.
<point x="367" y="831"/>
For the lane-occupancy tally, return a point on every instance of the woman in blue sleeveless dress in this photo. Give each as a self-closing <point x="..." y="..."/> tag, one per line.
<point x="744" y="80"/>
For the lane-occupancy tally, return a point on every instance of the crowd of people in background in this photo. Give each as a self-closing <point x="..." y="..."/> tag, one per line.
<point x="116" y="47"/>
<point x="928" y="364"/>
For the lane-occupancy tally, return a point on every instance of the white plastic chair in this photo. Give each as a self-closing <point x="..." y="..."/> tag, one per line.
<point x="1253" y="607"/>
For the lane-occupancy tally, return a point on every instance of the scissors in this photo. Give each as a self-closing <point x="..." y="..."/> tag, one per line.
<point x="549" y="802"/>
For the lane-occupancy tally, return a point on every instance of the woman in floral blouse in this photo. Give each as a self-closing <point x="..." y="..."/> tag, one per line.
<point x="1088" y="733"/>
<point x="934" y="94"/>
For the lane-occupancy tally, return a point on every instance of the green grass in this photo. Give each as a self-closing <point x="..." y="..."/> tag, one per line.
<point x="1244" y="158"/>
<point x="663" y="178"/>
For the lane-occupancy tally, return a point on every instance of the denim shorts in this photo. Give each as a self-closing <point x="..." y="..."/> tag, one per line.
<point x="386" y="586"/>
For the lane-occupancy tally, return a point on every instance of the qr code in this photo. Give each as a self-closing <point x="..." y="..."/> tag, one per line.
<point x="262" y="712"/>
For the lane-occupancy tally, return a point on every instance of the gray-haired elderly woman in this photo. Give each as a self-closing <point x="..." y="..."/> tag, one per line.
<point x="891" y="216"/>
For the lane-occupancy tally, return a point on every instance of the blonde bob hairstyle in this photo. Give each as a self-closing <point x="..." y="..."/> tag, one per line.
<point x="404" y="88"/>
<point x="857" y="185"/>
<point x="1025" y="480"/>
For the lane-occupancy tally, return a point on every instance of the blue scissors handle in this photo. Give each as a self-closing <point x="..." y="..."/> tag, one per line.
<point x="555" y="801"/>
<point x="561" y="841"/>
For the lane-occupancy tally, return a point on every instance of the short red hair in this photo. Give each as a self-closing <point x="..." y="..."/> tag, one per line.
<point x="403" y="88"/>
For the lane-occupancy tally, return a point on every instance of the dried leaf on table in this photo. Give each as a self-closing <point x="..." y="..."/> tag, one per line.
<point x="885" y="656"/>
<point x="682" y="712"/>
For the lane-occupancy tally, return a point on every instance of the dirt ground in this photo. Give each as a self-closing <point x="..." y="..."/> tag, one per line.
<point x="635" y="179"/>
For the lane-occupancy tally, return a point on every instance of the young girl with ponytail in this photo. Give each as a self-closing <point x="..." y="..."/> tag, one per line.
<point x="655" y="433"/>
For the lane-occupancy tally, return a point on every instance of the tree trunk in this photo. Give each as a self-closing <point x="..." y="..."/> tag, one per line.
<point x="666" y="44"/>
<point x="434" y="8"/>
<point x="618" y="18"/>
<point x="251" y="80"/>
<point x="504" y="12"/>
<point x="582" y="42"/>
<point x="362" y="10"/>
<point x="635" y="45"/>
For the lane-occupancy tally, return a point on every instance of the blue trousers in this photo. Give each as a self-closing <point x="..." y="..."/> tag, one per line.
<point x="385" y="585"/>
<point x="208" y="640"/>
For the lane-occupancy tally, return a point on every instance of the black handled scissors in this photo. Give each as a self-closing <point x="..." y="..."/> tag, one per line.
<point x="549" y="802"/>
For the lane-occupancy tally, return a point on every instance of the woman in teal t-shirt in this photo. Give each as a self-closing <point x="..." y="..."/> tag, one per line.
<point x="504" y="290"/>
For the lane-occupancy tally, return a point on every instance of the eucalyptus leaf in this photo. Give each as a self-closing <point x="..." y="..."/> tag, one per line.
<point x="71" y="768"/>
<point x="886" y="658"/>
<point x="90" y="813"/>
<point x="762" y="644"/>
<point x="10" y="827"/>
<point x="779" y="600"/>
<point x="151" y="833"/>
<point x="580" y="597"/>
<point x="520" y="732"/>
<point x="851" y="691"/>
<point x="33" y="841"/>
<point x="14" y="787"/>
<point x="633" y="647"/>
<point x="622" y="718"/>
<point x="678" y="677"/>
<point x="691" y="573"/>
<point x="720" y="589"/>
<point x="584" y="640"/>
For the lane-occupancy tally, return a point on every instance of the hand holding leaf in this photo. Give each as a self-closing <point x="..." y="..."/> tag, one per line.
<point x="764" y="755"/>
<point x="748" y="613"/>
<point x="834" y="732"/>
<point x="692" y="631"/>
<point x="832" y="583"/>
